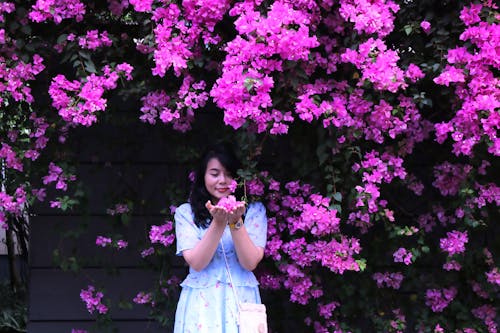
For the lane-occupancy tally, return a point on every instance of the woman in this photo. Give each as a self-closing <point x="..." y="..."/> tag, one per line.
<point x="207" y="302"/>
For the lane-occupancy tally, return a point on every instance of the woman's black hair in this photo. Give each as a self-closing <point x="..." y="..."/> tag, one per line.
<point x="199" y="194"/>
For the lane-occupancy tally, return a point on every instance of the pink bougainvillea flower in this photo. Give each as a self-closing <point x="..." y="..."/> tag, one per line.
<point x="229" y="203"/>
<point x="426" y="26"/>
<point x="454" y="242"/>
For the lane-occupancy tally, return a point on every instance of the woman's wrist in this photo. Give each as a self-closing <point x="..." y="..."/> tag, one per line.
<point x="236" y="225"/>
<point x="219" y="224"/>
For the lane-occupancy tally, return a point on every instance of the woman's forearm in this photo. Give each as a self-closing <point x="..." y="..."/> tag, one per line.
<point x="201" y="255"/>
<point x="248" y="254"/>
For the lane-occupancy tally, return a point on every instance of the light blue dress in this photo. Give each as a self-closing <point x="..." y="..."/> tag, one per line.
<point x="207" y="303"/>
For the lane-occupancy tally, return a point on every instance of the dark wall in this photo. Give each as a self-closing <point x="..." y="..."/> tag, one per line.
<point x="132" y="162"/>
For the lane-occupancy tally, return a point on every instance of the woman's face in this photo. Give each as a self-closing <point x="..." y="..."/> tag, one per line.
<point x="217" y="180"/>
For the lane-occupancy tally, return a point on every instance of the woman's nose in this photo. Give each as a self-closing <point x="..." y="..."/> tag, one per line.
<point x="225" y="179"/>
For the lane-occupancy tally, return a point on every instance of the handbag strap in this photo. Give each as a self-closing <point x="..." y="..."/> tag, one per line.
<point x="230" y="277"/>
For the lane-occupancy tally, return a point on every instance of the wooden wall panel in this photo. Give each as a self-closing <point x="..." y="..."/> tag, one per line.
<point x="48" y="234"/>
<point x="145" y="185"/>
<point x="55" y="295"/>
<point x="122" y="326"/>
<point x="126" y="161"/>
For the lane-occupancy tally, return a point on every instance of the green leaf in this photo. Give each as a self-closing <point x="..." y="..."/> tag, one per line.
<point x="62" y="38"/>
<point x="408" y="29"/>
<point x="90" y="67"/>
<point x="26" y="29"/>
<point x="337" y="196"/>
<point x="125" y="305"/>
<point x="248" y="83"/>
<point x="338" y="208"/>
<point x="362" y="264"/>
<point x="125" y="219"/>
<point x="84" y="55"/>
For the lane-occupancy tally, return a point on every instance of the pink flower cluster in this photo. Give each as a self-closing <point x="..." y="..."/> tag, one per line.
<point x="488" y="314"/>
<point x="414" y="184"/>
<point x="449" y="75"/>
<point x="172" y="49"/>
<point x="452" y="265"/>
<point x="254" y="187"/>
<point x="93" y="39"/>
<point x="454" y="242"/>
<point x="378" y="65"/>
<point x="142" y="5"/>
<point x="105" y="241"/>
<point x="478" y="290"/>
<point x="14" y="77"/>
<point x="439" y="299"/>
<point x="35" y="134"/>
<point x="116" y="7"/>
<point x="370" y="16"/>
<point x="244" y="89"/>
<point x="303" y="231"/>
<point x="450" y="177"/>
<point x="57" y="10"/>
<point x="326" y="310"/>
<point x="38" y="134"/>
<point x="300" y="285"/>
<point x="77" y="101"/>
<point x="317" y="217"/>
<point x="398" y="324"/>
<point x="147" y="252"/>
<point x="6" y="7"/>
<point x="488" y="193"/>
<point x="178" y="110"/>
<point x="477" y="87"/>
<point x="337" y="255"/>
<point x="229" y="203"/>
<point x="205" y="14"/>
<point x="157" y="234"/>
<point x="233" y="186"/>
<point x="426" y="26"/>
<point x="389" y="280"/>
<point x="3" y="219"/>
<point x="272" y="282"/>
<point x="493" y="276"/>
<point x="93" y="300"/>
<point x="143" y="298"/>
<point x="56" y="175"/>
<point x="119" y="208"/>
<point x="13" y="204"/>
<point x="470" y="15"/>
<point x="342" y="108"/>
<point x="176" y="43"/>
<point x="403" y="255"/>
<point x="10" y="157"/>
<point x="376" y="169"/>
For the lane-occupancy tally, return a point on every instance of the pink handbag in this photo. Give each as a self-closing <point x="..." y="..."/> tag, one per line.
<point x="252" y="317"/>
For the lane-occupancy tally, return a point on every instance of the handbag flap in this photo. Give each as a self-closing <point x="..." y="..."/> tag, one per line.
<point x="253" y="307"/>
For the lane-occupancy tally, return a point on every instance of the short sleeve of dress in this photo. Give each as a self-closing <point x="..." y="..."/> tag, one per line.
<point x="256" y="224"/>
<point x="187" y="234"/>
